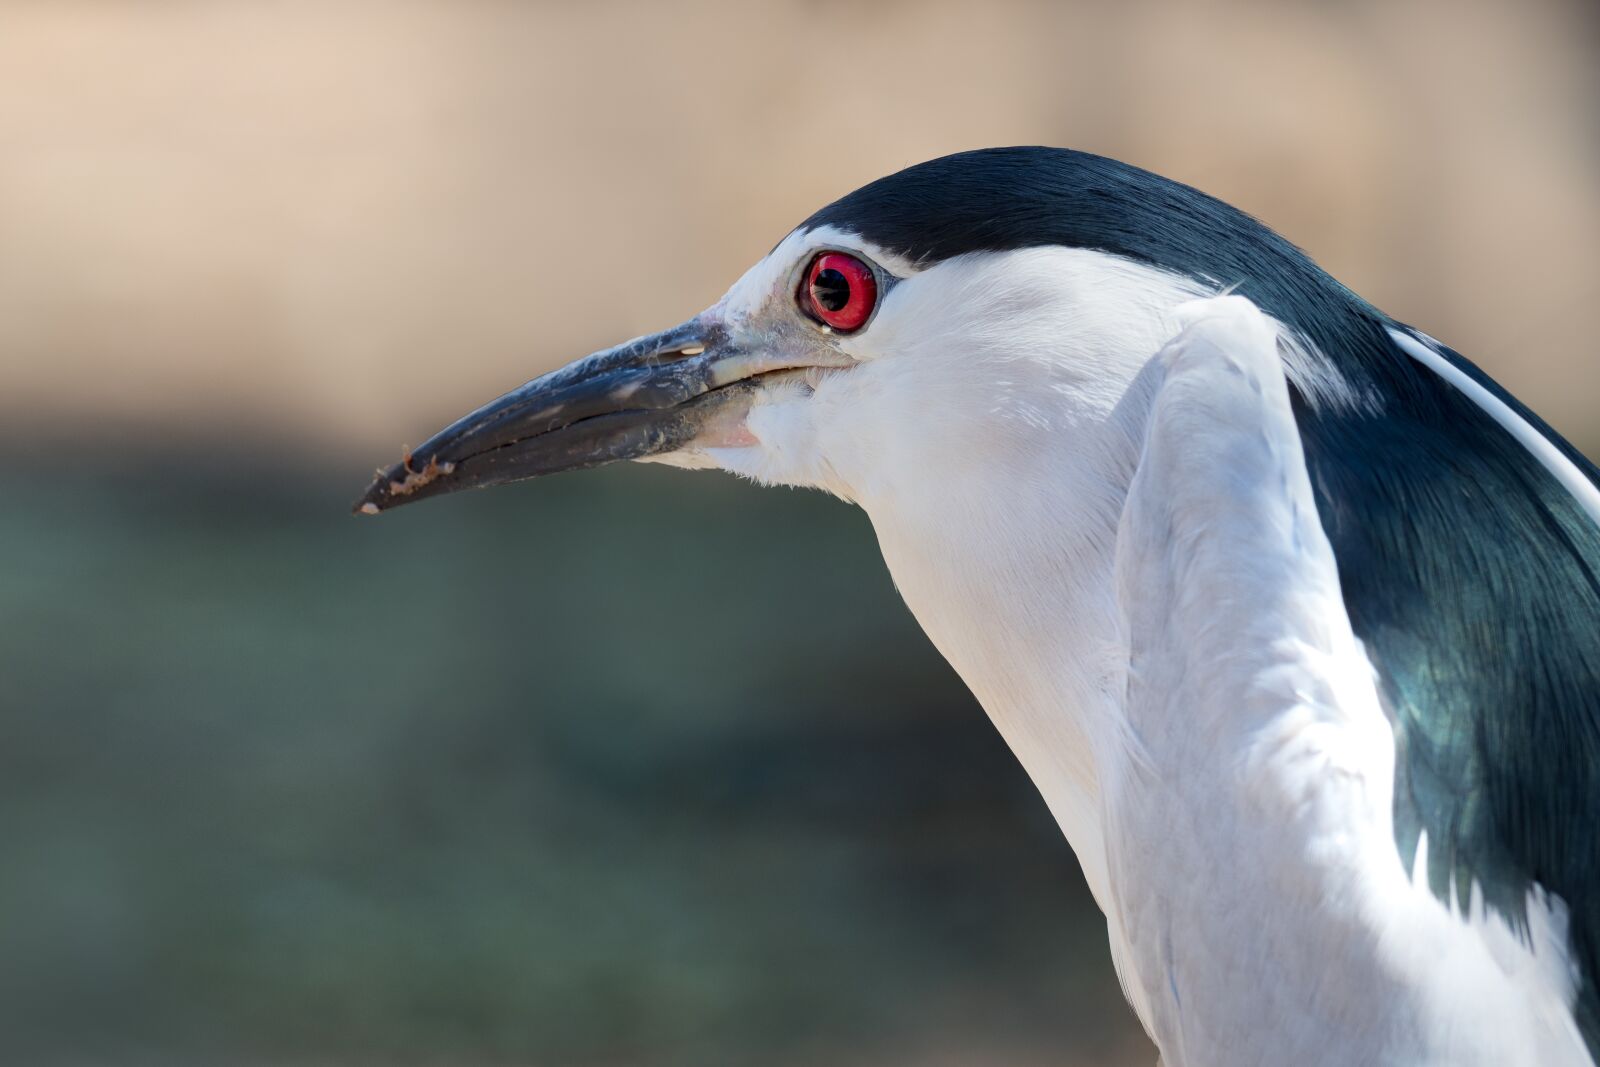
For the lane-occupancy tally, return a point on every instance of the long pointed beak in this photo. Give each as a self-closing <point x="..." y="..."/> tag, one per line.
<point x="651" y="395"/>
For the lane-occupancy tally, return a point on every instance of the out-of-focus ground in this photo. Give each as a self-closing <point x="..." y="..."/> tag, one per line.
<point x="636" y="767"/>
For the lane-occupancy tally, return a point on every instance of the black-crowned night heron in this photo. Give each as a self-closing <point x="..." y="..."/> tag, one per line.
<point x="1291" y="613"/>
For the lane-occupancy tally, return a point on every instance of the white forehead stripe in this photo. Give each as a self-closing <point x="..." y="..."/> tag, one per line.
<point x="1565" y="471"/>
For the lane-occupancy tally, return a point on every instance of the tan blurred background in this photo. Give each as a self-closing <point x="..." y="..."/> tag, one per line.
<point x="352" y="216"/>
<point x="280" y="788"/>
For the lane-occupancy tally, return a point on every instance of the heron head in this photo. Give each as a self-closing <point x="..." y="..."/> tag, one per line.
<point x="926" y="326"/>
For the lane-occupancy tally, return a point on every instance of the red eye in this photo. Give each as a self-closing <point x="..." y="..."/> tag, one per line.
<point x="841" y="291"/>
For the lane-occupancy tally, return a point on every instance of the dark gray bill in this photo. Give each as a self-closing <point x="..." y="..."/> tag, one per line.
<point x="648" y="396"/>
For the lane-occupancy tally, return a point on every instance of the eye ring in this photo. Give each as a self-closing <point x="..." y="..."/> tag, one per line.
<point x="839" y="291"/>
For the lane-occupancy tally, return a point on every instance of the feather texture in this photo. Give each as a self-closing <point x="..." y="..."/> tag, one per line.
<point x="1467" y="568"/>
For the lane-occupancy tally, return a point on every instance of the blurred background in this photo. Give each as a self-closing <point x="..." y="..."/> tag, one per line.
<point x="637" y="766"/>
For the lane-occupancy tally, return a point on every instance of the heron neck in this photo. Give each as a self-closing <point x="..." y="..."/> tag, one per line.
<point x="1016" y="591"/>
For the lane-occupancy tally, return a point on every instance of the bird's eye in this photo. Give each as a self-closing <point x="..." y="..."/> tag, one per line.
<point x="840" y="291"/>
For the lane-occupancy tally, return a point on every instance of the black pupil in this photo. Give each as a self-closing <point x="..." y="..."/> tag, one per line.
<point x="830" y="289"/>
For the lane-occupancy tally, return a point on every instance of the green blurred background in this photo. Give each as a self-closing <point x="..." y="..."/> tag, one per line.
<point x="637" y="766"/>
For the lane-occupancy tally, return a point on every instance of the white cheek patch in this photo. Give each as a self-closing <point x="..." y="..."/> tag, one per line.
<point x="779" y="445"/>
